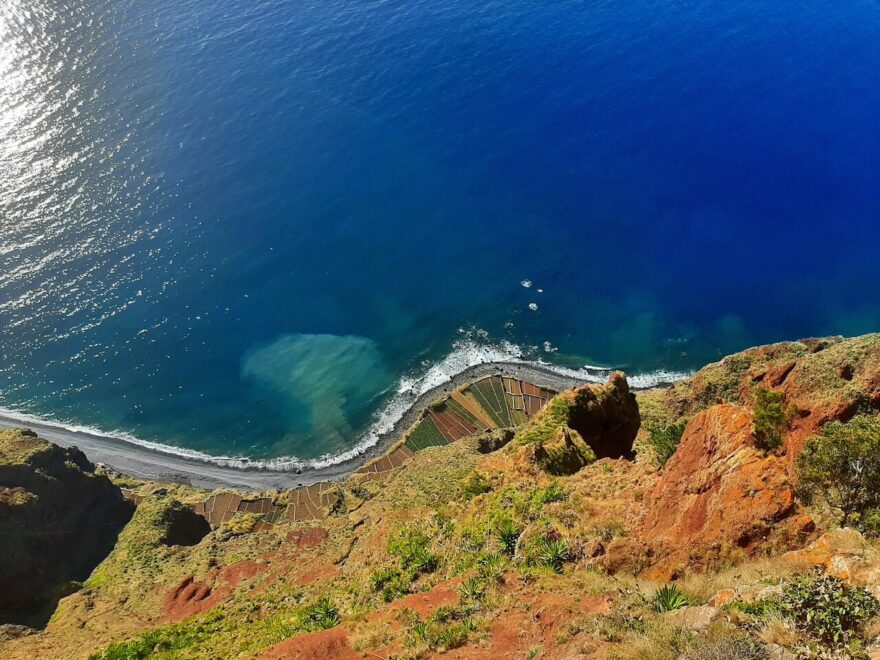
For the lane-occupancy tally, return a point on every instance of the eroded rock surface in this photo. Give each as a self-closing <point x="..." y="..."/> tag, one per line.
<point x="718" y="489"/>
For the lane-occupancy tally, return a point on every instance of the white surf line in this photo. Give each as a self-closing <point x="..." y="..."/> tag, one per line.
<point x="156" y="461"/>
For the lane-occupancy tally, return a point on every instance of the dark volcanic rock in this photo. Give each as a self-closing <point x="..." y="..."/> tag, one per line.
<point x="58" y="521"/>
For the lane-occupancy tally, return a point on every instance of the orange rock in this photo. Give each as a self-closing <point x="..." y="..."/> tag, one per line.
<point x="717" y="490"/>
<point x="722" y="598"/>
<point x="837" y="552"/>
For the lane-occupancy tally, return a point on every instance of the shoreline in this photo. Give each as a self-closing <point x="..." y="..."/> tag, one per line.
<point x="151" y="464"/>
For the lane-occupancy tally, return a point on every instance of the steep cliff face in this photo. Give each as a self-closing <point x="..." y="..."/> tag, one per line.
<point x="58" y="520"/>
<point x="717" y="491"/>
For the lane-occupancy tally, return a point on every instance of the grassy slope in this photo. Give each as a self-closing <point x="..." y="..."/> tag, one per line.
<point x="530" y="603"/>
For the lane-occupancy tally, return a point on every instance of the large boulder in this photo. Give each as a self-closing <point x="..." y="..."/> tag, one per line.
<point x="58" y="521"/>
<point x="718" y="491"/>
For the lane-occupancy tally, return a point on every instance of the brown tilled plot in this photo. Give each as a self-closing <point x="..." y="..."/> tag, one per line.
<point x="474" y="409"/>
<point x="451" y="425"/>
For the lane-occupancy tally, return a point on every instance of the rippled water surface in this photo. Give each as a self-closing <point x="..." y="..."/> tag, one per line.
<point x="236" y="226"/>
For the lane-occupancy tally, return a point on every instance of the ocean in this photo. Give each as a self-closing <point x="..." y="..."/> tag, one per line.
<point x="259" y="228"/>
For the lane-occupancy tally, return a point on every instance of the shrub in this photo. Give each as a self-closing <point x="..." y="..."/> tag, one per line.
<point x="554" y="553"/>
<point x="553" y="492"/>
<point x="490" y="567"/>
<point x="665" y="441"/>
<point x="390" y="582"/>
<point x="668" y="598"/>
<point x="771" y="418"/>
<point x="474" y="484"/>
<point x="827" y="609"/>
<point x="842" y="466"/>
<point x="320" y="615"/>
<point x="471" y="592"/>
<point x="410" y="546"/>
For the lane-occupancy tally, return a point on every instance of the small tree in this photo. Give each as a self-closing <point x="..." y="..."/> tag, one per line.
<point x="771" y="417"/>
<point x="842" y="466"/>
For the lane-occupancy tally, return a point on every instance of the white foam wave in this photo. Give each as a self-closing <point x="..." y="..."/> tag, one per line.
<point x="465" y="355"/>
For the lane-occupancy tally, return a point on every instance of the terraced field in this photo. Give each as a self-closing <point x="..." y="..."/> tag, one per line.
<point x="494" y="402"/>
<point x="489" y="394"/>
<point x="424" y="435"/>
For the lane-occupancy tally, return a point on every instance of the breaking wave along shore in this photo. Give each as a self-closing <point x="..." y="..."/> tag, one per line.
<point x="467" y="362"/>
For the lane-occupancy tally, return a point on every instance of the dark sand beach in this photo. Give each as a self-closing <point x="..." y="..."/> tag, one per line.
<point x="150" y="463"/>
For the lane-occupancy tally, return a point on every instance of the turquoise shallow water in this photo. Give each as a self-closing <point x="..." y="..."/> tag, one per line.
<point x="244" y="228"/>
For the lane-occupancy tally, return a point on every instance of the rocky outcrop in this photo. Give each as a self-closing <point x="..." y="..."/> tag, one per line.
<point x="580" y="426"/>
<point x="606" y="417"/>
<point x="58" y="520"/>
<point x="717" y="491"/>
<point x="564" y="454"/>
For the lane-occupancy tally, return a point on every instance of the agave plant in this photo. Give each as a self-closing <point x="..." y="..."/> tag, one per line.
<point x="472" y="591"/>
<point x="554" y="553"/>
<point x="322" y="614"/>
<point x="668" y="598"/>
<point x="508" y="533"/>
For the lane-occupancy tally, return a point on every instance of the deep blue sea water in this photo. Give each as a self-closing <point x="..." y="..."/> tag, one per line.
<point x="236" y="226"/>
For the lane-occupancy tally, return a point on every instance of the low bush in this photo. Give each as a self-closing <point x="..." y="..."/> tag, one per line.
<point x="410" y="546"/>
<point x="554" y="553"/>
<point x="319" y="615"/>
<point x="508" y="533"/>
<point x="391" y="583"/>
<point x="474" y="484"/>
<point x="668" y="598"/>
<point x="553" y="492"/>
<point x="827" y="609"/>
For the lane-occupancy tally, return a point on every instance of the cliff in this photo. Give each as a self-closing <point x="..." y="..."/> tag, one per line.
<point x="58" y="521"/>
<point x="512" y="523"/>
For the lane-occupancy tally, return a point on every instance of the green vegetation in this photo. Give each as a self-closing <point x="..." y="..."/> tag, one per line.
<point x="446" y="629"/>
<point x="544" y="425"/>
<point x="319" y="615"/>
<point x="474" y="484"/>
<point x="489" y="393"/>
<point x="410" y="546"/>
<point x="554" y="492"/>
<point x="460" y="410"/>
<point x="472" y="591"/>
<point x="771" y="418"/>
<point x="828" y="610"/>
<point x="426" y="434"/>
<point x="665" y="440"/>
<point x="508" y="533"/>
<point x="554" y="552"/>
<point x="196" y="633"/>
<point x="668" y="598"/>
<point x="166" y="642"/>
<point x="391" y="583"/>
<point x="842" y="467"/>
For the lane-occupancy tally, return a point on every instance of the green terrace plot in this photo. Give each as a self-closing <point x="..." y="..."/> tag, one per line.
<point x="489" y="393"/>
<point x="426" y="434"/>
